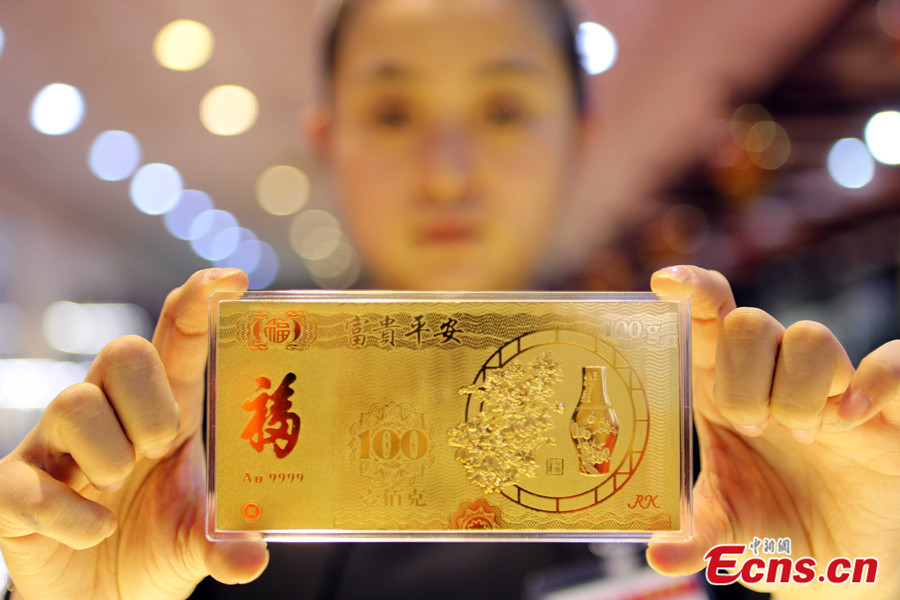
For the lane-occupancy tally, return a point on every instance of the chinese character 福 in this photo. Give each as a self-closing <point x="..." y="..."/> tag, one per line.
<point x="272" y="421"/>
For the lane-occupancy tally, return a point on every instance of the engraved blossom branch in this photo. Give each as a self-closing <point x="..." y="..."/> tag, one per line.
<point x="497" y="446"/>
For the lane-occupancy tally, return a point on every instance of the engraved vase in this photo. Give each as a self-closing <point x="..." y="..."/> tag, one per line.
<point x="594" y="427"/>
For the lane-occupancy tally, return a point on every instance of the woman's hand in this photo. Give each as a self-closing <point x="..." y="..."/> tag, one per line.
<point x="794" y="443"/>
<point x="106" y="496"/>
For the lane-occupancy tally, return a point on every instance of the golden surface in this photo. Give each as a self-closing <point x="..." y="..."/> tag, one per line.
<point x="364" y="416"/>
<point x="497" y="446"/>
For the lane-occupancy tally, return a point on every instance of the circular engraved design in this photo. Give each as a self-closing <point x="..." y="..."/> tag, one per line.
<point x="561" y="486"/>
<point x="292" y="330"/>
<point x="251" y="511"/>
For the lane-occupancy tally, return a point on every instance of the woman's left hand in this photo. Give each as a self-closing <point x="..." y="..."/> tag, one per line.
<point x="794" y="442"/>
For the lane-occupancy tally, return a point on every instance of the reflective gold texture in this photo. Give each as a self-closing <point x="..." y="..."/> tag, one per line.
<point x="367" y="416"/>
<point x="497" y="447"/>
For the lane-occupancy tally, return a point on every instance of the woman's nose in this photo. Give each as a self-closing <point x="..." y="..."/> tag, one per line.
<point x="447" y="166"/>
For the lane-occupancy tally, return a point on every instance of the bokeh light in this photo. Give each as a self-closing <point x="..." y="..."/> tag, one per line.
<point x="2" y="41"/>
<point x="850" y="164"/>
<point x="228" y="110"/>
<point x="32" y="383"/>
<point x="887" y="15"/>
<point x="750" y="113"/>
<point x="215" y="234"/>
<point x="597" y="46"/>
<point x="334" y="264"/>
<point x="306" y="223"/>
<point x="155" y="188"/>
<point x="183" y="45"/>
<point x="883" y="137"/>
<point x="320" y="243"/>
<point x="246" y="254"/>
<point x="768" y="145"/>
<point x="345" y="280"/>
<point x="114" y="155"/>
<point x="86" y="328"/>
<point x="57" y="109"/>
<point x="742" y="150"/>
<point x="266" y="270"/>
<point x="282" y="190"/>
<point x="190" y="204"/>
<point x="340" y="270"/>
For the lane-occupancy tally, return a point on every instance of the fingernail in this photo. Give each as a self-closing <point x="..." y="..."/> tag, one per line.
<point x="804" y="436"/>
<point x="853" y="409"/>
<point x="750" y="430"/>
<point x="679" y="274"/>
<point x="221" y="273"/>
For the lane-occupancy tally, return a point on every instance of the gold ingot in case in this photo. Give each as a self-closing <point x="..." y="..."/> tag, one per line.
<point x="449" y="416"/>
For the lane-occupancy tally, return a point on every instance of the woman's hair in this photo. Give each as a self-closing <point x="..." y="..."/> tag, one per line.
<point x="559" y="19"/>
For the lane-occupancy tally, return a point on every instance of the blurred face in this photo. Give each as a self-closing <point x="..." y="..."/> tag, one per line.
<point x="453" y="131"/>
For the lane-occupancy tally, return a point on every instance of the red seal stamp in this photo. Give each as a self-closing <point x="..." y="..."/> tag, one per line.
<point x="292" y="330"/>
<point x="251" y="511"/>
<point x="479" y="514"/>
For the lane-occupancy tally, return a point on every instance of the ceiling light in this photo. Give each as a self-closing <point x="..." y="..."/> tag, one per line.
<point x="57" y="109"/>
<point x="183" y="45"/>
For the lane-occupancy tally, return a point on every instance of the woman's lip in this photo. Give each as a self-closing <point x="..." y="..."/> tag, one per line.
<point x="448" y="233"/>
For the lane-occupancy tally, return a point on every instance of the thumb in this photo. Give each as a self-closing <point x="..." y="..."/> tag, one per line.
<point x="711" y="527"/>
<point x="180" y="336"/>
<point x="236" y="562"/>
<point x="182" y="342"/>
<point x="711" y="300"/>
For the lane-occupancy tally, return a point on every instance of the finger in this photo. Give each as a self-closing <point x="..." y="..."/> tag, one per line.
<point x="231" y="562"/>
<point x="810" y="362"/>
<point x="31" y="501"/>
<point x="745" y="363"/>
<point x="132" y="376"/>
<point x="181" y="334"/>
<point x="182" y="342"/>
<point x="711" y="300"/>
<point x="236" y="562"/>
<point x="874" y="388"/>
<point x="81" y="423"/>
<point x="711" y="526"/>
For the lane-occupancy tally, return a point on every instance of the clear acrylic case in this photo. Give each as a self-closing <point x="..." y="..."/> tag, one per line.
<point x="507" y="416"/>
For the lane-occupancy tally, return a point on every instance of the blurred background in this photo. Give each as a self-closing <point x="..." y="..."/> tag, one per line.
<point x="140" y="142"/>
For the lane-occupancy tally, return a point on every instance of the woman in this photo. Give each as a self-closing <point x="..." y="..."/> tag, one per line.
<point x="452" y="128"/>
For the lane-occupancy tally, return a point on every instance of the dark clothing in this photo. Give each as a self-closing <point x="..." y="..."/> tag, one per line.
<point x="435" y="571"/>
<point x="430" y="571"/>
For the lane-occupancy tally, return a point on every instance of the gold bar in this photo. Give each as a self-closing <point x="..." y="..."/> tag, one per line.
<point x="464" y="416"/>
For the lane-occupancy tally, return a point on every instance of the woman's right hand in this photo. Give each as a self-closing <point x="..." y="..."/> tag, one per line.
<point x="106" y="496"/>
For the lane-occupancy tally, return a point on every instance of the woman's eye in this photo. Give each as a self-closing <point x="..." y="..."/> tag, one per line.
<point x="394" y="117"/>
<point x="503" y="115"/>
